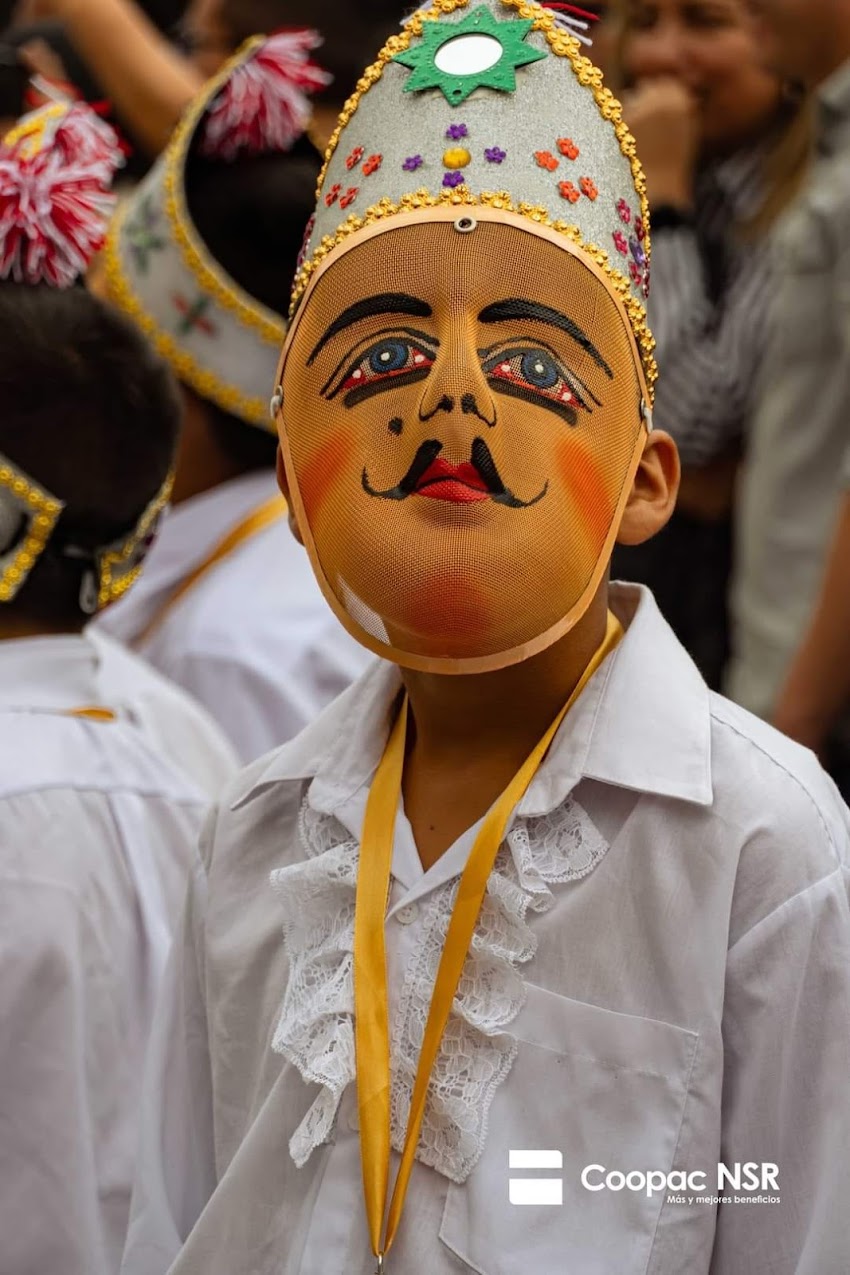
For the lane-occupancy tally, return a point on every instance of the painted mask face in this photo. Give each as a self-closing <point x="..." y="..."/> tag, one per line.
<point x="461" y="427"/>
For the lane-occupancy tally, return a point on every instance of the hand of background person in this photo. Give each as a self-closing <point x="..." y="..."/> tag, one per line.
<point x="662" y="116"/>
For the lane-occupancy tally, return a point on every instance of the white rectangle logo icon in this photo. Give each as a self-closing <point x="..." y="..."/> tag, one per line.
<point x="545" y="1191"/>
<point x="536" y="1191"/>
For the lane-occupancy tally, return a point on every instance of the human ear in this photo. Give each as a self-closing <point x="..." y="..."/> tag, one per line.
<point x="654" y="490"/>
<point x="283" y="484"/>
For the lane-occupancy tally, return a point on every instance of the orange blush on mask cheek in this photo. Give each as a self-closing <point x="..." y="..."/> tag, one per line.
<point x="584" y="478"/>
<point x="321" y="471"/>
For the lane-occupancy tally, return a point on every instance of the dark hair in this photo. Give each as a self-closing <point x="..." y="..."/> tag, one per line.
<point x="353" y="34"/>
<point x="252" y="214"/>
<point x="91" y="414"/>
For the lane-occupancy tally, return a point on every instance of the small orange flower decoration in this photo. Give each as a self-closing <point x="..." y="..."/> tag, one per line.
<point x="567" y="147"/>
<point x="333" y="195"/>
<point x="354" y="158"/>
<point x="373" y="163"/>
<point x="568" y="191"/>
<point x="349" y="196"/>
<point x="546" y="160"/>
<point x="588" y="188"/>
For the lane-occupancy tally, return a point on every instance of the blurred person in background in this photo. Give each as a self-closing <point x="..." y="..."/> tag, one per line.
<point x="724" y="144"/>
<point x="107" y="770"/>
<point x="48" y="51"/>
<point x="150" y="80"/>
<point x="792" y="635"/>
<point x="201" y="259"/>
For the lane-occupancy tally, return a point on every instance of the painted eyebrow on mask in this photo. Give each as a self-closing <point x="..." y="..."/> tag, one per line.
<point x="383" y="303"/>
<point x="517" y="308"/>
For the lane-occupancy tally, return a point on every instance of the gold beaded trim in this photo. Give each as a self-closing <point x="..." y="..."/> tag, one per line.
<point x="462" y="196"/>
<point x="113" y="578"/>
<point x="206" y="383"/>
<point x="214" y="281"/>
<point x="44" y="511"/>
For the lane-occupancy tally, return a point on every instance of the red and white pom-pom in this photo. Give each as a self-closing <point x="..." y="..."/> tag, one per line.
<point x="83" y="137"/>
<point x="55" y="202"/>
<point x="264" y="105"/>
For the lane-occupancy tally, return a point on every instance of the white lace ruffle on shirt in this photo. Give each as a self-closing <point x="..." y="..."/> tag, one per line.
<point x="316" y="1030"/>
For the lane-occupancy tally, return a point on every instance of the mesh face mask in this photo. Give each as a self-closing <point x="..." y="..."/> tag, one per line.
<point x="461" y="427"/>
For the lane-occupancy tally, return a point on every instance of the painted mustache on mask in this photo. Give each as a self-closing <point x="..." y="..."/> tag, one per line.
<point x="438" y="479"/>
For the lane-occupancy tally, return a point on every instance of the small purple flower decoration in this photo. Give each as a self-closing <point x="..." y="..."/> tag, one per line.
<point x="452" y="179"/>
<point x="456" y="132"/>
<point x="637" y="252"/>
<point x="620" y="243"/>
<point x="495" y="155"/>
<point x="625" y="211"/>
<point x="413" y="162"/>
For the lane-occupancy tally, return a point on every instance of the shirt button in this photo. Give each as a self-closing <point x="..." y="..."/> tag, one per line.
<point x="407" y="915"/>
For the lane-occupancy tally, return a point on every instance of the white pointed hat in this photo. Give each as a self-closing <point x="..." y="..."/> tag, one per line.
<point x="490" y="103"/>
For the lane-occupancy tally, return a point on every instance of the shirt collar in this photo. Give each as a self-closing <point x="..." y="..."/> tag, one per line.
<point x="49" y="674"/>
<point x="642" y="723"/>
<point x="834" y="110"/>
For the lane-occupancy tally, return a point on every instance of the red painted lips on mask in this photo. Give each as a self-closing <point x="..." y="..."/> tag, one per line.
<point x="461" y="484"/>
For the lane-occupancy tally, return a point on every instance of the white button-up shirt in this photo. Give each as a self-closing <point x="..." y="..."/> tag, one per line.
<point x="254" y="639"/>
<point x="98" y="821"/>
<point x="659" y="983"/>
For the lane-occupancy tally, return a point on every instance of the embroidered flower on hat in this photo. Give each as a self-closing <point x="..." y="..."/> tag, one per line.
<point x="495" y="155"/>
<point x="333" y="195"/>
<point x="453" y="179"/>
<point x="413" y="162"/>
<point x="354" y="158"/>
<point x="569" y="191"/>
<point x="567" y="147"/>
<point x="620" y="243"/>
<point x="589" y="188"/>
<point x="624" y="211"/>
<point x="637" y="252"/>
<point x="456" y="132"/>
<point x="640" y="229"/>
<point x="349" y="196"/>
<point x="546" y="160"/>
<point x="373" y="163"/>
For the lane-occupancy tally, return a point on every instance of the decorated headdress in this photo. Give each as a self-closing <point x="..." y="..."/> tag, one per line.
<point x="218" y="339"/>
<point x="545" y="141"/>
<point x="460" y="475"/>
<point x="56" y="171"/>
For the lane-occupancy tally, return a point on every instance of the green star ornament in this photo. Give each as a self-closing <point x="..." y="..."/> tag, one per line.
<point x="460" y="57"/>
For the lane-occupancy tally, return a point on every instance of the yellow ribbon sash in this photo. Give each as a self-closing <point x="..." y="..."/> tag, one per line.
<point x="252" y="525"/>
<point x="372" y="1037"/>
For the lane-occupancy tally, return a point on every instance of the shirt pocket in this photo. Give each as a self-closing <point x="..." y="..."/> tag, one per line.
<point x="601" y="1088"/>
